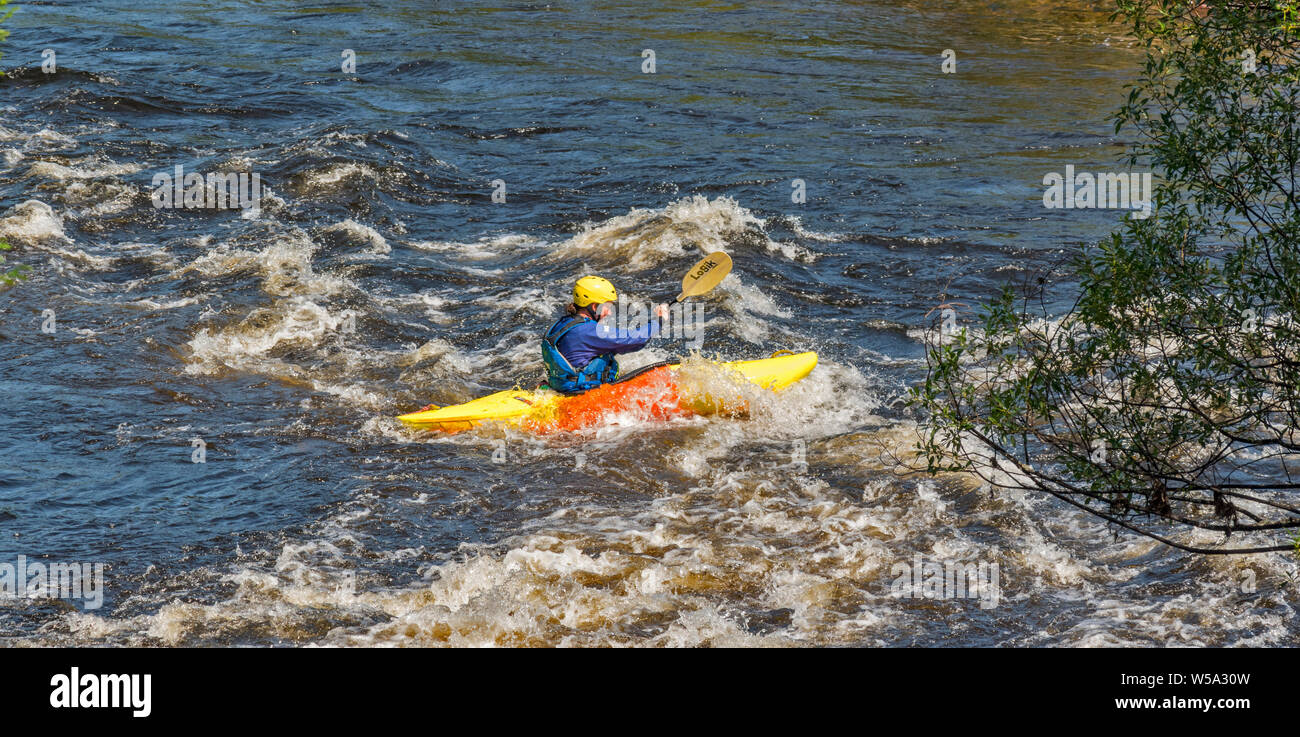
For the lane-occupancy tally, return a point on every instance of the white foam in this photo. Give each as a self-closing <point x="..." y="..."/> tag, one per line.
<point x="486" y="248"/>
<point x="335" y="176"/>
<point x="362" y="234"/>
<point x="643" y="238"/>
<point x="295" y="321"/>
<point x="32" y="221"/>
<point x="285" y="264"/>
<point x="87" y="169"/>
<point x="98" y="199"/>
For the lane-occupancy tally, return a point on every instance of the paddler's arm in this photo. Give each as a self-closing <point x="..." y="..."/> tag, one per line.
<point x="607" y="338"/>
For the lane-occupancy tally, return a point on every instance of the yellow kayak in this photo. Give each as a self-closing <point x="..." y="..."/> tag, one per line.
<point x="659" y="393"/>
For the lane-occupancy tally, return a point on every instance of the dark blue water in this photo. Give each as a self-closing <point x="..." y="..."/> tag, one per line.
<point x="380" y="276"/>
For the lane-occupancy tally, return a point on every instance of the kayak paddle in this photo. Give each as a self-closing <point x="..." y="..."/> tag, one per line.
<point x="705" y="275"/>
<point x="701" y="279"/>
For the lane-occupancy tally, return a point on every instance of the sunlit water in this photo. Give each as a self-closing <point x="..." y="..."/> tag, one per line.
<point x="380" y="276"/>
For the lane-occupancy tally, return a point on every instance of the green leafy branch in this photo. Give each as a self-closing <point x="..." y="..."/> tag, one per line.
<point x="14" y="275"/>
<point x="4" y="17"/>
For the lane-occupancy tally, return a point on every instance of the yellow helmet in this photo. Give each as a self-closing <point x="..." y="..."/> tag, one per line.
<point x="591" y="289"/>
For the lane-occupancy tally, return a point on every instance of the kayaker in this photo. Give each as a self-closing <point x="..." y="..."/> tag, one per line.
<point x="579" y="348"/>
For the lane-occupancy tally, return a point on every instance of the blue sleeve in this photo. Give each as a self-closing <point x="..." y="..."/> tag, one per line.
<point x="607" y="338"/>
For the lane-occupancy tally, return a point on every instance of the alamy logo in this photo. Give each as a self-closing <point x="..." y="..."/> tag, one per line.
<point x="219" y="191"/>
<point x="94" y="691"/>
<point x="1107" y="190"/>
<point x="933" y="579"/>
<point x="36" y="580"/>
<point x="684" y="321"/>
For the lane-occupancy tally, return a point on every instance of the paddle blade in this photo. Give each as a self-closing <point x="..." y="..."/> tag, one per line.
<point x="705" y="275"/>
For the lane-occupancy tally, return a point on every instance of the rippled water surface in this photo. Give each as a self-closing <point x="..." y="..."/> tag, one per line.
<point x="379" y="276"/>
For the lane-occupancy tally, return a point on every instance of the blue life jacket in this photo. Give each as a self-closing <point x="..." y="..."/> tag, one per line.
<point x="561" y="375"/>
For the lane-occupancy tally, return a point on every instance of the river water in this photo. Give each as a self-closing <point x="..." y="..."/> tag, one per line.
<point x="379" y="275"/>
